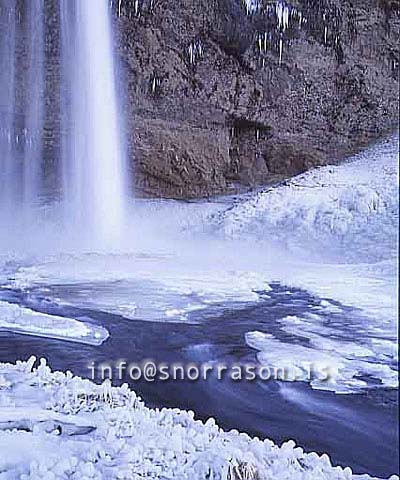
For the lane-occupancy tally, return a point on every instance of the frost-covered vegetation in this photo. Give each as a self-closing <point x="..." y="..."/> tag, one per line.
<point x="57" y="426"/>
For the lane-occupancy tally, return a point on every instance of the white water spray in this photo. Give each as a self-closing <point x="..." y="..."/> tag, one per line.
<point x="92" y="155"/>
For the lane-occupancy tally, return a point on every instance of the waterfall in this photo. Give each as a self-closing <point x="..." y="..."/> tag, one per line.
<point x="92" y="158"/>
<point x="21" y="122"/>
<point x="34" y="108"/>
<point x="8" y="170"/>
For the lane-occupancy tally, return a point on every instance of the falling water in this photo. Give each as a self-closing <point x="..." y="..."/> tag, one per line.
<point x="34" y="108"/>
<point x="8" y="192"/>
<point x="21" y="122"/>
<point x="92" y="155"/>
<point x="91" y="163"/>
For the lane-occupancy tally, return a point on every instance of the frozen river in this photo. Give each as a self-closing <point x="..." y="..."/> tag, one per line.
<point x="304" y="272"/>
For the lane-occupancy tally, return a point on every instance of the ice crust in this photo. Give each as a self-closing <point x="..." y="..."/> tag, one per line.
<point x="14" y="318"/>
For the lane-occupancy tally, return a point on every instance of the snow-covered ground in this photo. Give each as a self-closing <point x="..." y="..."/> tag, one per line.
<point x="341" y="224"/>
<point x="346" y="213"/>
<point x="331" y="231"/>
<point x="56" y="426"/>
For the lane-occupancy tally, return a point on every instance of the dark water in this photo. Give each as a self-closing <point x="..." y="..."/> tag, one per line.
<point x="359" y="431"/>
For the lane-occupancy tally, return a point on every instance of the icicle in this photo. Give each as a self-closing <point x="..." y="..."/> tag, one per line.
<point x="283" y="13"/>
<point x="250" y="6"/>
<point x="285" y="18"/>
<point x="195" y="51"/>
<point x="325" y="28"/>
<point x="265" y="41"/>
<point x="119" y="7"/>
<point x="155" y="84"/>
<point x="190" y="49"/>
<point x="279" y="14"/>
<point x="280" y="50"/>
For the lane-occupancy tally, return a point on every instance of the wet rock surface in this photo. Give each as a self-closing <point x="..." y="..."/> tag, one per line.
<point x="226" y="93"/>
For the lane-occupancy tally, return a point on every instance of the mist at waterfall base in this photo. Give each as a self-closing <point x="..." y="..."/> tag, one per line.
<point x="180" y="261"/>
<point x="301" y="272"/>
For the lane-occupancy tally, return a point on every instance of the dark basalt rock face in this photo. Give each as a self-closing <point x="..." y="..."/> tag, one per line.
<point x="218" y="97"/>
<point x="212" y="107"/>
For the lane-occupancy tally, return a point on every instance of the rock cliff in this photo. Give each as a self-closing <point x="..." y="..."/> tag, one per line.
<point x="230" y="93"/>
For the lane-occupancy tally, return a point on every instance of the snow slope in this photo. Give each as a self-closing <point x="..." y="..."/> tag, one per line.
<point x="345" y="212"/>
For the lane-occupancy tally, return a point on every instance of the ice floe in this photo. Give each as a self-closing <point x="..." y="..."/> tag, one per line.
<point x="14" y="318"/>
<point x="163" y="287"/>
<point x="327" y="358"/>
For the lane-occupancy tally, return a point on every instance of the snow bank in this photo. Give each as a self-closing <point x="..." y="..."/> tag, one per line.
<point x="79" y="430"/>
<point x="338" y="225"/>
<point x="14" y="318"/>
<point x="350" y="209"/>
<point x="329" y="360"/>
